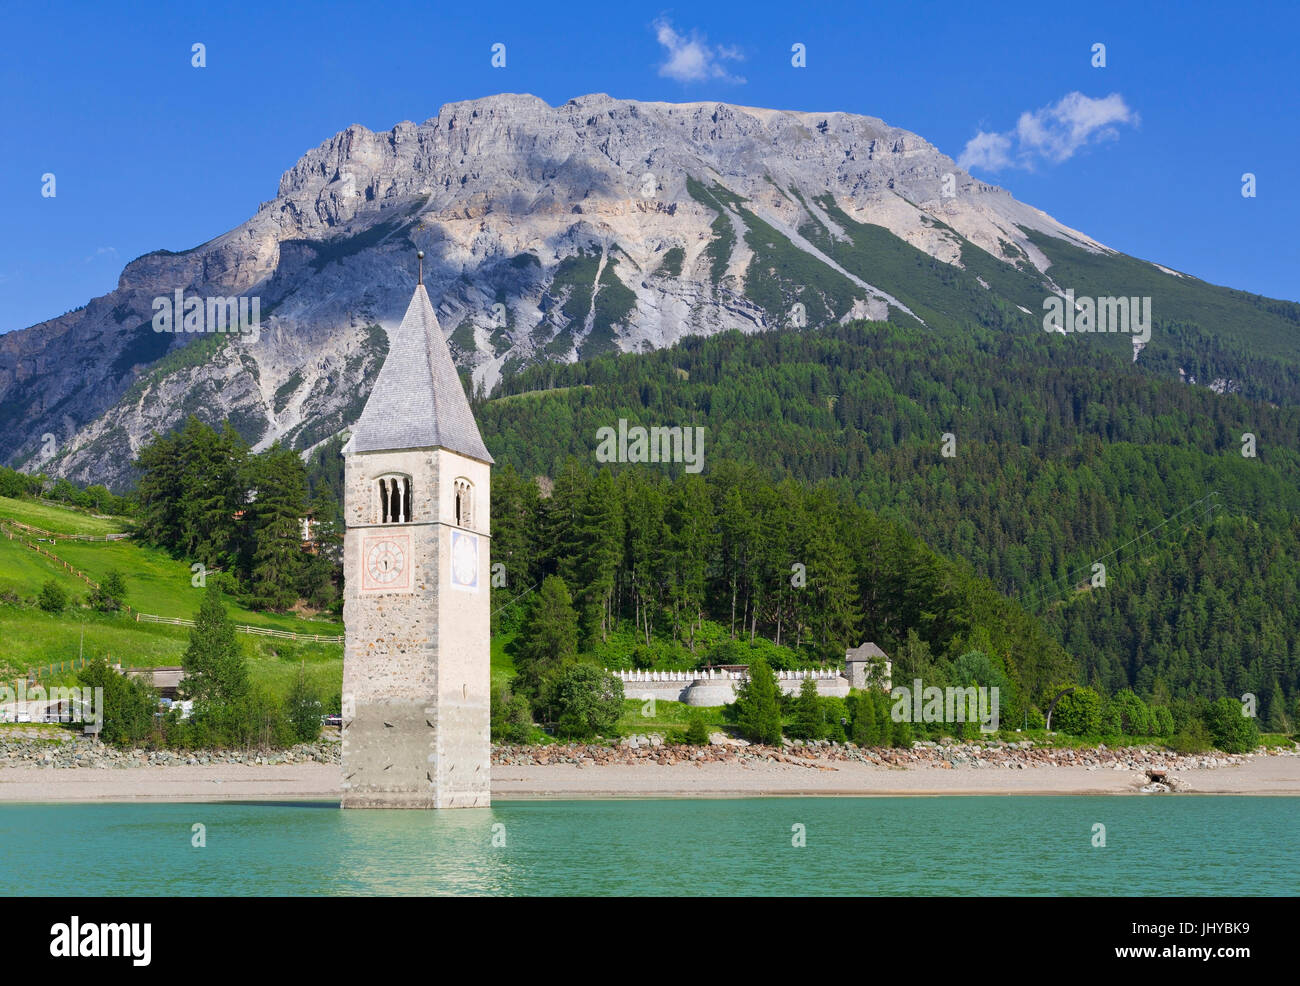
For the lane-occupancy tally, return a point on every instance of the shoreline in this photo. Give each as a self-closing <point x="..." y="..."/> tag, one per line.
<point x="816" y="776"/>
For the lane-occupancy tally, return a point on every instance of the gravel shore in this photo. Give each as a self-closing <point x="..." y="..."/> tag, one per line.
<point x="38" y="769"/>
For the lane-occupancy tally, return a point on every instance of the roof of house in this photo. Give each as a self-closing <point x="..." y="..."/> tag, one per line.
<point x="417" y="400"/>
<point x="867" y="650"/>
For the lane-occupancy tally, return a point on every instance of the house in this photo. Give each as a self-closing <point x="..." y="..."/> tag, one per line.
<point x="165" y="679"/>
<point x="867" y="666"/>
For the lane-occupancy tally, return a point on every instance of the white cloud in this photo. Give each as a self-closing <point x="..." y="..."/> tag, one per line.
<point x="987" y="151"/>
<point x="1053" y="133"/>
<point x="101" y="252"/>
<point x="693" y="59"/>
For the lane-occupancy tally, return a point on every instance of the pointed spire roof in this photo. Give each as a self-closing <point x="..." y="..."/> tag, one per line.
<point x="417" y="400"/>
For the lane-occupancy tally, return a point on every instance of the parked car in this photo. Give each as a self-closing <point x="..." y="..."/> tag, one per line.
<point x="333" y="719"/>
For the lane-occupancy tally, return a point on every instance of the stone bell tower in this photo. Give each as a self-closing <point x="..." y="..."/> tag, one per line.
<point x="416" y="568"/>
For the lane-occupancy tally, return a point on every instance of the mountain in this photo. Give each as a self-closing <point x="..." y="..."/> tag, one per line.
<point x="559" y="233"/>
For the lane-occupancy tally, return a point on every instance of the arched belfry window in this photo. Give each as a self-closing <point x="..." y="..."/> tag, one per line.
<point x="394" y="499"/>
<point x="464" y="502"/>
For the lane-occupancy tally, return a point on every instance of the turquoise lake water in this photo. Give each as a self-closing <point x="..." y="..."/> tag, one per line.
<point x="1182" y="845"/>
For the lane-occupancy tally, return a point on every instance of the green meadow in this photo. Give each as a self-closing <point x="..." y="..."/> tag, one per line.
<point x="60" y="520"/>
<point x="156" y="583"/>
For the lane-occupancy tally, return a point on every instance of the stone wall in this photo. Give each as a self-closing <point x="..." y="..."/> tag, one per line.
<point x="708" y="688"/>
<point x="416" y="720"/>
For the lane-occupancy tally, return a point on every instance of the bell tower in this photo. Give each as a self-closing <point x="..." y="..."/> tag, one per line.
<point x="416" y="569"/>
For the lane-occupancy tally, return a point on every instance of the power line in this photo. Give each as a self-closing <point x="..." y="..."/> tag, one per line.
<point x="1210" y="502"/>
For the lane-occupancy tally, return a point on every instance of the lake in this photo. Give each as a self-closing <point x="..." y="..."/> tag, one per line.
<point x="970" y="846"/>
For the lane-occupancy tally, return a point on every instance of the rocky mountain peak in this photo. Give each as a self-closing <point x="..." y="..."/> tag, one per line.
<point x="552" y="233"/>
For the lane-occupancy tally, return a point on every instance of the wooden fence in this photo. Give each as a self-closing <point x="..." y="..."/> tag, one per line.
<point x="242" y="628"/>
<point x="150" y="618"/>
<point x="56" y="536"/>
<point x="57" y="668"/>
<point x="71" y="569"/>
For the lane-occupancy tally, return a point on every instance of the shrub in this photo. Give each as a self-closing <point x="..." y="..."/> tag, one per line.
<point x="1079" y="713"/>
<point x="585" y="701"/>
<point x="1163" y="721"/>
<point x="1112" y="724"/>
<point x="128" y="704"/>
<point x="52" y="598"/>
<point x="902" y="734"/>
<point x="512" y="718"/>
<point x="834" y="710"/>
<point x="1230" y="728"/>
<point x="1194" y="738"/>
<point x="697" y="734"/>
<point x="304" y="709"/>
<point x="111" y="594"/>
<point x="1134" y="716"/>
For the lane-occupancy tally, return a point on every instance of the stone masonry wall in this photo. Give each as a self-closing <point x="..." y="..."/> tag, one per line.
<point x="416" y="660"/>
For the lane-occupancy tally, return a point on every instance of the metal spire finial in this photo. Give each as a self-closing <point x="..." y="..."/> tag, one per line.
<point x="420" y="255"/>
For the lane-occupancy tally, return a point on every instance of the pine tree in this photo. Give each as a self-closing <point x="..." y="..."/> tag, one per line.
<point x="688" y="545"/>
<point x="275" y="526"/>
<point x="866" y="731"/>
<point x="902" y="734"/>
<point x="515" y="521"/>
<point x="758" y="706"/>
<point x="1276" y="720"/>
<point x="643" y="521"/>
<point x="548" y="639"/>
<point x="560" y="516"/>
<point x="807" y="722"/>
<point x="697" y="733"/>
<point x="737" y="529"/>
<point x="212" y="492"/>
<point x="161" y="491"/>
<point x="214" y="669"/>
<point x="320" y="569"/>
<point x="597" y="533"/>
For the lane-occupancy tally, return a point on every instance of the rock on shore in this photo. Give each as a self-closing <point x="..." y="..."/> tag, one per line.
<point x="824" y="754"/>
<point x="59" y="751"/>
<point x="44" y="748"/>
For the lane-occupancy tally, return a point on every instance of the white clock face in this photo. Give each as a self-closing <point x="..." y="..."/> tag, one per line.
<point x="464" y="560"/>
<point x="385" y="562"/>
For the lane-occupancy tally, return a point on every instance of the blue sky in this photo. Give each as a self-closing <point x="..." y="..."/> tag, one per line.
<point x="149" y="152"/>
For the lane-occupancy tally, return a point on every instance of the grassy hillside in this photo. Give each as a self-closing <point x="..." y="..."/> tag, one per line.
<point x="60" y="520"/>
<point x="156" y="583"/>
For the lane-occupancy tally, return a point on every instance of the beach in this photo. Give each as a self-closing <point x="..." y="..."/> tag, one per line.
<point x="814" y="773"/>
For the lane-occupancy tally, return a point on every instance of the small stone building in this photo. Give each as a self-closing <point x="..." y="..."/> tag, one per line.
<point x="867" y="666"/>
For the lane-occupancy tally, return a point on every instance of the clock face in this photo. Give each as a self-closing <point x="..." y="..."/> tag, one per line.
<point x="387" y="562"/>
<point x="464" y="561"/>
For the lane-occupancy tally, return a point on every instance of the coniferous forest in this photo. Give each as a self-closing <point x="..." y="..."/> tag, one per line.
<point x="1063" y="456"/>
<point x="1068" y="515"/>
